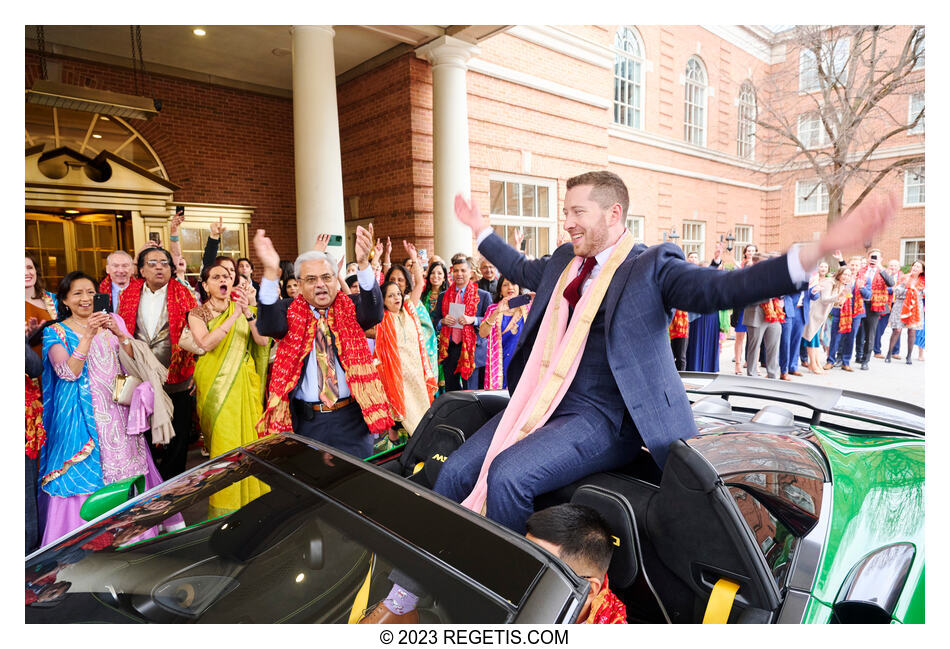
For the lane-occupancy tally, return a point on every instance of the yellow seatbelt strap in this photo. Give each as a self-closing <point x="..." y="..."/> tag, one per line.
<point x="720" y="602"/>
<point x="362" y="596"/>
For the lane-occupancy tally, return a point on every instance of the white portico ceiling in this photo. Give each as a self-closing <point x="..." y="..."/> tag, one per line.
<point x="254" y="56"/>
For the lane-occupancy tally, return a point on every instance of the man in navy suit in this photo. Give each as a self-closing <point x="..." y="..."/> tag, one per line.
<point x="626" y="388"/>
<point x="626" y="392"/>
<point x="462" y="278"/>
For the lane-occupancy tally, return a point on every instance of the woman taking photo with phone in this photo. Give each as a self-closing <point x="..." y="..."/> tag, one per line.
<point x="89" y="443"/>
<point x="502" y="327"/>
<point x="229" y="377"/>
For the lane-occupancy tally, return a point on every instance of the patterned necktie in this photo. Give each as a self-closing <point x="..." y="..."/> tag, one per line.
<point x="326" y="360"/>
<point x="573" y="291"/>
<point x="457" y="333"/>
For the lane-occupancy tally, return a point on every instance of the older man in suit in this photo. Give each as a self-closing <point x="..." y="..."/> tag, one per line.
<point x="619" y="389"/>
<point x="462" y="351"/>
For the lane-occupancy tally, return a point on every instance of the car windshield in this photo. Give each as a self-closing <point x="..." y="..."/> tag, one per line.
<point x="290" y="554"/>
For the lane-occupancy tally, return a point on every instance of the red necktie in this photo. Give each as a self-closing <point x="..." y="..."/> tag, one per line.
<point x="573" y="291"/>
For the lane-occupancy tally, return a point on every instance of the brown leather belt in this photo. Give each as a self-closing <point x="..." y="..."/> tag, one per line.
<point x="340" y="403"/>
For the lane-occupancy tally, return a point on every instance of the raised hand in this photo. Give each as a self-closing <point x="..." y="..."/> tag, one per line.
<point x="469" y="214"/>
<point x="837" y="255"/>
<point x="411" y="251"/>
<point x="364" y="243"/>
<point x="852" y="231"/>
<point x="519" y="237"/>
<point x="175" y="223"/>
<point x="389" y="247"/>
<point x="377" y="250"/>
<point x="217" y="228"/>
<point x="266" y="252"/>
<point x="323" y="240"/>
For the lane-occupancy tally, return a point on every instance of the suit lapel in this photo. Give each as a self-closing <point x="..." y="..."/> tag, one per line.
<point x="618" y="282"/>
<point x="548" y="283"/>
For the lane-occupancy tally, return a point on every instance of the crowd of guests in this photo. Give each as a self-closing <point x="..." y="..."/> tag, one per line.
<point x="125" y="372"/>
<point x="841" y="316"/>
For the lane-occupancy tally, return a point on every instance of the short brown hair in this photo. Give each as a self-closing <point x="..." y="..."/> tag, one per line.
<point x="606" y="188"/>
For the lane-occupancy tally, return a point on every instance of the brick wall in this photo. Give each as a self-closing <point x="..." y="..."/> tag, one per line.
<point x="220" y="145"/>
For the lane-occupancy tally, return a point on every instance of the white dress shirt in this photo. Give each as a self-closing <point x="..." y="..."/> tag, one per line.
<point x="150" y="308"/>
<point x="312" y="380"/>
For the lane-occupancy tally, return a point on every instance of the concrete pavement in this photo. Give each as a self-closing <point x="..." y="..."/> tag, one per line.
<point x="896" y="380"/>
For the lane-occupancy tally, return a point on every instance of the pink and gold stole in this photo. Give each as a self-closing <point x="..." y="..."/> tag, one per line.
<point x="552" y="364"/>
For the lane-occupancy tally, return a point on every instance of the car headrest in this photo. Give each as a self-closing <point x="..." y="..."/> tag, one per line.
<point x="431" y="447"/>
<point x="618" y="514"/>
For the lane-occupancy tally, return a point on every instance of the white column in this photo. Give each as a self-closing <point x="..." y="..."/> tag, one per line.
<point x="450" y="160"/>
<point x="318" y="172"/>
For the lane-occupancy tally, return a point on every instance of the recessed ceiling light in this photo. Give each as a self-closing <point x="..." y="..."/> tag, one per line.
<point x="97" y="136"/>
<point x="103" y="118"/>
<point x="199" y="32"/>
<point x="72" y="211"/>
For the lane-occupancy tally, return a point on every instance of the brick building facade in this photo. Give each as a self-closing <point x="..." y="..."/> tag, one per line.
<point x="541" y="108"/>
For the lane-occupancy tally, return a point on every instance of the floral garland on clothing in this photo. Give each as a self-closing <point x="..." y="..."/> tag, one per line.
<point x="911" y="313"/>
<point x="354" y="355"/>
<point x="878" y="290"/>
<point x="466" y="364"/>
<point x="774" y="310"/>
<point x="846" y="318"/>
<point x="179" y="302"/>
<point x="35" y="432"/>
<point x="679" y="325"/>
<point x="607" y="608"/>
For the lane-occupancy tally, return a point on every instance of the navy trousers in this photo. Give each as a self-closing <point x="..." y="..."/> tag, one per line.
<point x="567" y="448"/>
<point x="788" y="351"/>
<point x="170" y="459"/>
<point x="343" y="429"/>
<point x="32" y="514"/>
<point x="846" y="343"/>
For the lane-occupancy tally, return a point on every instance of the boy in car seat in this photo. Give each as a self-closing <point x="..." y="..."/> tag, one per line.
<point x="576" y="534"/>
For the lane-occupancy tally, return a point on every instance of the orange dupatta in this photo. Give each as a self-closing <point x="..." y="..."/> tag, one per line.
<point x="389" y="365"/>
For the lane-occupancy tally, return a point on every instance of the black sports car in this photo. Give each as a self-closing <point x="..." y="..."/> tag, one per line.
<point x="775" y="500"/>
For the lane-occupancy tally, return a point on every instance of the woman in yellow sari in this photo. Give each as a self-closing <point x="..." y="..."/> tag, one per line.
<point x="229" y="377"/>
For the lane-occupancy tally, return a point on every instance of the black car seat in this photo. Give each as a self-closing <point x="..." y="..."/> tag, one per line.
<point x="697" y="532"/>
<point x="448" y="422"/>
<point x="627" y="577"/>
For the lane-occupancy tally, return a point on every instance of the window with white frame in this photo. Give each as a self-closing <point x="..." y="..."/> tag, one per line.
<point x="916" y="107"/>
<point x="834" y="61"/>
<point x="914" y="186"/>
<point x="811" y="197"/>
<point x="628" y="78"/>
<point x="694" y="123"/>
<point x="635" y="225"/>
<point x="694" y="238"/>
<point x="746" y="132"/>
<point x="743" y="237"/>
<point x="912" y="250"/>
<point x="525" y="204"/>
<point x="811" y="132"/>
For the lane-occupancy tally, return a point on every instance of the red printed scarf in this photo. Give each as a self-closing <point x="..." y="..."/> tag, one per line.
<point x="774" y="310"/>
<point x="910" y="312"/>
<point x="845" y="319"/>
<point x="878" y="290"/>
<point x="105" y="286"/>
<point x="179" y="302"/>
<point x="607" y="608"/>
<point x="679" y="325"/>
<point x="35" y="432"/>
<point x="292" y="353"/>
<point x="466" y="364"/>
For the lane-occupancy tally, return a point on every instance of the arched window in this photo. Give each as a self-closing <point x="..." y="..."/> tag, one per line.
<point x="746" y="133"/>
<point x="695" y="103"/>
<point x="88" y="134"/>
<point x="628" y="79"/>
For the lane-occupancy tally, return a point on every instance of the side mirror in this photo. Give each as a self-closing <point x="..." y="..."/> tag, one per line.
<point x="111" y="496"/>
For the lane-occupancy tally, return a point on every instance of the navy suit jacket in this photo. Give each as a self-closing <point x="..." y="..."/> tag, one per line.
<point x="648" y="285"/>
<point x="481" y="344"/>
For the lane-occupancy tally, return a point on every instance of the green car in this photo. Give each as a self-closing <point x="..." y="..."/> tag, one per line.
<point x="811" y="511"/>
